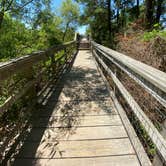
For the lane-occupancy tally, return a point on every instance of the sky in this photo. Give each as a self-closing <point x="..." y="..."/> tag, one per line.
<point x="56" y="5"/>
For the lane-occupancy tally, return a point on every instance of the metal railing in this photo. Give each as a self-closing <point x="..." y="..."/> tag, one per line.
<point x="152" y="80"/>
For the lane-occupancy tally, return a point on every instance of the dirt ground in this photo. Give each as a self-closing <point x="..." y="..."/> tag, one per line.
<point x="152" y="53"/>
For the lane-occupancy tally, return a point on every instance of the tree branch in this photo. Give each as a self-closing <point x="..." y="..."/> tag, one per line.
<point x="21" y="7"/>
<point x="9" y="5"/>
<point x="25" y="4"/>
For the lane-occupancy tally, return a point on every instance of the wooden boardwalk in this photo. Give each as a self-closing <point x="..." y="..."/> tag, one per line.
<point x="81" y="127"/>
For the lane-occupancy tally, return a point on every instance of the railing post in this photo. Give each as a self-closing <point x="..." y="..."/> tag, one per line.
<point x="53" y="63"/>
<point x="52" y="58"/>
<point x="66" y="55"/>
<point x="33" y="92"/>
<point x="114" y="86"/>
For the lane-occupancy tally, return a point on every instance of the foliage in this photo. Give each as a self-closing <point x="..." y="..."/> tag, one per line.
<point x="69" y="13"/>
<point x="15" y="39"/>
<point x="151" y="149"/>
<point x="23" y="9"/>
<point x="49" y="32"/>
<point x="117" y="15"/>
<point x="147" y="36"/>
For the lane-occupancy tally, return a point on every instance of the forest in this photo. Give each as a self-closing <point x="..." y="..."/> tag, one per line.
<point x="30" y="25"/>
<point x="108" y="18"/>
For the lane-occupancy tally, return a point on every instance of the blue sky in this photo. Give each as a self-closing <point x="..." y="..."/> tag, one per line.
<point x="56" y="5"/>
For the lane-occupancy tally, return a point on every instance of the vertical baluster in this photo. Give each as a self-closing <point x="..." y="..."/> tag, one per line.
<point x="53" y="64"/>
<point x="29" y="74"/>
<point x="66" y="55"/>
<point x="114" y="86"/>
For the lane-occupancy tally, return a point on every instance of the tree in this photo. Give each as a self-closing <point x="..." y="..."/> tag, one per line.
<point x="48" y="25"/>
<point x="15" y="7"/>
<point x="109" y="19"/>
<point x="160" y="9"/>
<point x="95" y="14"/>
<point x="70" y="13"/>
<point x="149" y="13"/>
<point x="137" y="8"/>
<point x="117" y="4"/>
<point x="15" y="39"/>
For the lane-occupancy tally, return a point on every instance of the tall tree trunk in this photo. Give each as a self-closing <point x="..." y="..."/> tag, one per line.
<point x="138" y="10"/>
<point x="64" y="35"/>
<point x="1" y="18"/>
<point x="109" y="19"/>
<point x="117" y="17"/>
<point x="123" y="18"/>
<point x="159" y="10"/>
<point x="149" y="13"/>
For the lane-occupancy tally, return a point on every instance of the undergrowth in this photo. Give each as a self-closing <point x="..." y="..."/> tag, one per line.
<point x="148" y="36"/>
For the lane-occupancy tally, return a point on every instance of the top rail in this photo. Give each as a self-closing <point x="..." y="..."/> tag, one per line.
<point x="15" y="65"/>
<point x="153" y="80"/>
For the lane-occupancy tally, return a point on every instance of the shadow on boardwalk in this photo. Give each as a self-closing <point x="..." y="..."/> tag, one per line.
<point x="60" y="117"/>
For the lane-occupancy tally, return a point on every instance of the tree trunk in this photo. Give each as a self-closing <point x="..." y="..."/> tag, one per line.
<point x="149" y="13"/>
<point x="1" y="18"/>
<point x="138" y="10"/>
<point x="109" y="19"/>
<point x="123" y="18"/>
<point x="64" y="35"/>
<point x="159" y="10"/>
<point x="117" y="17"/>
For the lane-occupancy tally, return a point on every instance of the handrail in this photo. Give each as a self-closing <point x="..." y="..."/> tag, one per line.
<point x="15" y="65"/>
<point x="153" y="80"/>
<point x="25" y="65"/>
<point x="137" y="71"/>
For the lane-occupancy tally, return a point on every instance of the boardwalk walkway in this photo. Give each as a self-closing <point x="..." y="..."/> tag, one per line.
<point x="81" y="127"/>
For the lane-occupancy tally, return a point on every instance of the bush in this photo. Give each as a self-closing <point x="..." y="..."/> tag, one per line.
<point x="147" y="36"/>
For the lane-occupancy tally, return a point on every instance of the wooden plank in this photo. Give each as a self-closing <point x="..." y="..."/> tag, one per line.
<point x="78" y="107"/>
<point x="127" y="160"/>
<point x="145" y="161"/>
<point x="77" y="149"/>
<point x="59" y="121"/>
<point x="88" y="94"/>
<point x="77" y="133"/>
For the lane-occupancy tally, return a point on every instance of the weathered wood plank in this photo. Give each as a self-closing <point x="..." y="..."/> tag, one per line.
<point x="75" y="149"/>
<point x="128" y="160"/>
<point x="76" y="133"/>
<point x="69" y="107"/>
<point x="85" y="121"/>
